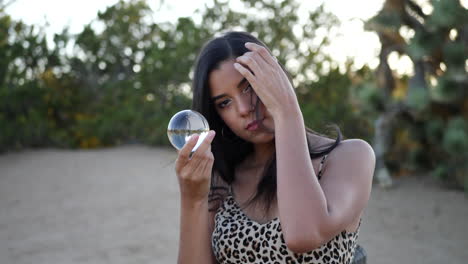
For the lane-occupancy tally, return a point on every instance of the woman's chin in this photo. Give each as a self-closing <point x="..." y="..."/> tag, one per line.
<point x="260" y="138"/>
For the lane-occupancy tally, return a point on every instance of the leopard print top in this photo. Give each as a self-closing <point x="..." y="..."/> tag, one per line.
<point x="238" y="239"/>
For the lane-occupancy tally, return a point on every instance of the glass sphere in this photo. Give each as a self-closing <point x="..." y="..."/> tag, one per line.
<point x="183" y="125"/>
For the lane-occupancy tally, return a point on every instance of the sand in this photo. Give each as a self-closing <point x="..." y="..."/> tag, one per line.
<point x="120" y="205"/>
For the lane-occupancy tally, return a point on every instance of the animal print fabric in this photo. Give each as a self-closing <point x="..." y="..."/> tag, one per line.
<point x="238" y="239"/>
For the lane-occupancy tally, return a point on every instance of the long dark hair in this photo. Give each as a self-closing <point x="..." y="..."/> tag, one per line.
<point x="228" y="149"/>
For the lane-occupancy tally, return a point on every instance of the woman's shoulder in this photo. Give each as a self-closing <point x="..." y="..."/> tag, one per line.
<point x="354" y="155"/>
<point x="355" y="146"/>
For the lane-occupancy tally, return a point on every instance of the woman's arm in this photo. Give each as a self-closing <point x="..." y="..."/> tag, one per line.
<point x="196" y="227"/>
<point x="196" y="222"/>
<point x="313" y="212"/>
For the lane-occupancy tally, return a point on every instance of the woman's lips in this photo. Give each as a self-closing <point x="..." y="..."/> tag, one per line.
<point x="254" y="125"/>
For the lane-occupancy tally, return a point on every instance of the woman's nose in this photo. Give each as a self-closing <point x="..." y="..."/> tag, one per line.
<point x="245" y="105"/>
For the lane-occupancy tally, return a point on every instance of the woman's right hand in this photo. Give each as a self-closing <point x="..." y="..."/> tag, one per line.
<point x="194" y="171"/>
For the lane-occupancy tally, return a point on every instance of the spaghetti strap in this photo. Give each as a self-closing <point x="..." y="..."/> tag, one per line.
<point x="320" y="172"/>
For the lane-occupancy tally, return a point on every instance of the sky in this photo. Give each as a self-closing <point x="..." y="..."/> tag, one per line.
<point x="354" y="42"/>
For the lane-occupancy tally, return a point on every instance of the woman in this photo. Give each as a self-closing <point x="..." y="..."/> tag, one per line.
<point x="265" y="189"/>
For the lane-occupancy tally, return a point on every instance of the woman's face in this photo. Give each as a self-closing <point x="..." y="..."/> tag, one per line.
<point x="234" y="100"/>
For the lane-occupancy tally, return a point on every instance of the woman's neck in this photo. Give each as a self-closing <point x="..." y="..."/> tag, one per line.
<point x="250" y="171"/>
<point x="261" y="154"/>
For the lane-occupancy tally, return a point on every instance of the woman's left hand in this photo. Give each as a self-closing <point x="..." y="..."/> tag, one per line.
<point x="268" y="79"/>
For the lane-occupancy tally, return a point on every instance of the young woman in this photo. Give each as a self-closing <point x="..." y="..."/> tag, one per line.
<point x="265" y="189"/>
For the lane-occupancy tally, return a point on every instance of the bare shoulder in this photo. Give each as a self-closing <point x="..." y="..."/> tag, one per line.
<point x="347" y="180"/>
<point x="346" y="147"/>
<point x="354" y="155"/>
<point x="355" y="146"/>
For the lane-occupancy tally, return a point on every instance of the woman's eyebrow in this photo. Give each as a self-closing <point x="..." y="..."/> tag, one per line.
<point x="214" y="98"/>
<point x="241" y="82"/>
<point x="218" y="97"/>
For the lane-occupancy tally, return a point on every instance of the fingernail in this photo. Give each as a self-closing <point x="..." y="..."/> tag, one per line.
<point x="211" y="134"/>
<point x="236" y="64"/>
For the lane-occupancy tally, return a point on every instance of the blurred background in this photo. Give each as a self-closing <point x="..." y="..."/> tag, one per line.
<point x="92" y="81"/>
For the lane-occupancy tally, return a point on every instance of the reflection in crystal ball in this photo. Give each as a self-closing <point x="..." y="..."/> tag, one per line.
<point x="183" y="125"/>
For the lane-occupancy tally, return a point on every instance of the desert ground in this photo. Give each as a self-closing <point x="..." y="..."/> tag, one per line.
<point x="121" y="205"/>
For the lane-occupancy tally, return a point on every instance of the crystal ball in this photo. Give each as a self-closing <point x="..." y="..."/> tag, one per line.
<point x="183" y="125"/>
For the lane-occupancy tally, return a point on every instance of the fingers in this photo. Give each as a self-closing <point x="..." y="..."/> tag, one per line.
<point x="187" y="153"/>
<point x="253" y="61"/>
<point x="193" y="169"/>
<point x="184" y="153"/>
<point x="264" y="53"/>
<point x="246" y="73"/>
<point x="191" y="164"/>
<point x="204" y="147"/>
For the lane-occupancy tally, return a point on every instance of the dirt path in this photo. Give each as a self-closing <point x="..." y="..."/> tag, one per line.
<point x="120" y="205"/>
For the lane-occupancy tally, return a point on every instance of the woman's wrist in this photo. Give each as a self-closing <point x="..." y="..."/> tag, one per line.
<point x="191" y="203"/>
<point x="287" y="115"/>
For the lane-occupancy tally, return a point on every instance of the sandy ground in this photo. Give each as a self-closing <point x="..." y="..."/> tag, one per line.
<point x="120" y="205"/>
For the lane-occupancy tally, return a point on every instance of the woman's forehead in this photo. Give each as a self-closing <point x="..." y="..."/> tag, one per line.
<point x="224" y="78"/>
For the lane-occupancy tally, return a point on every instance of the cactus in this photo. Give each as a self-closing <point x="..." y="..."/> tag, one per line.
<point x="436" y="102"/>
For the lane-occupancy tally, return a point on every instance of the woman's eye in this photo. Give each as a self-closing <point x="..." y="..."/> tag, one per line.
<point x="247" y="89"/>
<point x="224" y="103"/>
